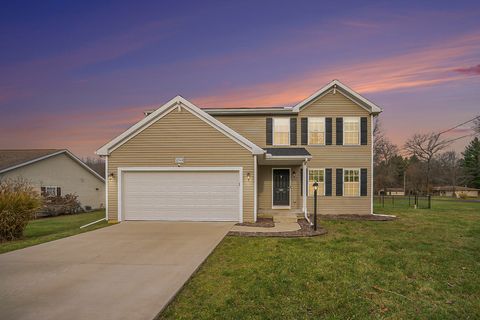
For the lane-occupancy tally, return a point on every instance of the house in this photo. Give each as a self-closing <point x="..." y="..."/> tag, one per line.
<point x="447" y="191"/>
<point x="54" y="172"/>
<point x="181" y="162"/>
<point x="392" y="192"/>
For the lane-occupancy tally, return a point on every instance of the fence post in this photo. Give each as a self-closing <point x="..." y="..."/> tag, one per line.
<point x="429" y="201"/>
<point x="393" y="201"/>
<point x="409" y="205"/>
<point x="383" y="201"/>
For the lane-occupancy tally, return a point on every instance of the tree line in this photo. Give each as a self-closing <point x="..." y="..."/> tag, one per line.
<point x="423" y="162"/>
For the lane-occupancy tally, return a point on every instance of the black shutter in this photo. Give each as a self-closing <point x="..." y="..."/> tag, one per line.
<point x="328" y="131"/>
<point x="269" y="126"/>
<point x="363" y="182"/>
<point x="328" y="182"/>
<point x="339" y="131"/>
<point x="293" y="131"/>
<point x="59" y="191"/>
<point x="43" y="191"/>
<point x="304" y="124"/>
<point x="339" y="184"/>
<point x="363" y="130"/>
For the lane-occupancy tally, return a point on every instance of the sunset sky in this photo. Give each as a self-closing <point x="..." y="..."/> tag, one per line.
<point x="76" y="75"/>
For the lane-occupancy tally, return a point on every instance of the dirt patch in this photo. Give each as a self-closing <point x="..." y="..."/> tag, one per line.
<point x="261" y="222"/>
<point x="305" y="231"/>
<point x="356" y="217"/>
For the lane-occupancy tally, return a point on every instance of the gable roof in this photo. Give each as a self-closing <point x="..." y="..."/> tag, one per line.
<point x="11" y="159"/>
<point x="346" y="91"/>
<point x="178" y="101"/>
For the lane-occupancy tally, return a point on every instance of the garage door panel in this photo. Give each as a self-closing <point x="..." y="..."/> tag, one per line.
<point x="181" y="195"/>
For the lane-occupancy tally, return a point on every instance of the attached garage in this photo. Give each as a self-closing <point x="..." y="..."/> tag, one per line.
<point x="190" y="194"/>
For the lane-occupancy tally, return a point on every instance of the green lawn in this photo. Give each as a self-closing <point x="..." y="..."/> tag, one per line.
<point x="48" y="229"/>
<point x="424" y="265"/>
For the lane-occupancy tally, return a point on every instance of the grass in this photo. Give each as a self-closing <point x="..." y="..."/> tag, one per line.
<point x="425" y="265"/>
<point x="48" y="229"/>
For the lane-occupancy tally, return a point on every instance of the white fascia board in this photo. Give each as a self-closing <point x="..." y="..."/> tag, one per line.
<point x="170" y="105"/>
<point x="363" y="102"/>
<point x="68" y="153"/>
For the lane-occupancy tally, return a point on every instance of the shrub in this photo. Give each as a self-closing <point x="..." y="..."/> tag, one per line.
<point x="463" y="196"/>
<point x="57" y="205"/>
<point x="18" y="203"/>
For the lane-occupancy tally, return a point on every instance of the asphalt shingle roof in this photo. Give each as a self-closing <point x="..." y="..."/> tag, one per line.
<point x="14" y="157"/>
<point x="283" y="152"/>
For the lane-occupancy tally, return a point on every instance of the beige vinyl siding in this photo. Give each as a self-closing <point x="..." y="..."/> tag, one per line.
<point x="333" y="156"/>
<point x="265" y="187"/>
<point x="181" y="134"/>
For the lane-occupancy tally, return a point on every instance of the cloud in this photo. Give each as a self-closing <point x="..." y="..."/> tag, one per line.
<point x="475" y="70"/>
<point x="424" y="67"/>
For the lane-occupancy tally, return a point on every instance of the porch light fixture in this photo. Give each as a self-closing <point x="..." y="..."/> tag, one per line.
<point x="315" y="188"/>
<point x="248" y="176"/>
<point x="293" y="174"/>
<point x="111" y="176"/>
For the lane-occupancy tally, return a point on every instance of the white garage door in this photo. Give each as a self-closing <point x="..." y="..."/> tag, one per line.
<point x="181" y="195"/>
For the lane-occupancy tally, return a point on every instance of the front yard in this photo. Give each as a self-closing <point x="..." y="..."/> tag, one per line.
<point x="48" y="229"/>
<point x="424" y="265"/>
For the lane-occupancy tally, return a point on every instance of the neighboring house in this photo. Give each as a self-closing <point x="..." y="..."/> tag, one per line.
<point x="185" y="163"/>
<point x="54" y="172"/>
<point x="392" y="192"/>
<point x="447" y="191"/>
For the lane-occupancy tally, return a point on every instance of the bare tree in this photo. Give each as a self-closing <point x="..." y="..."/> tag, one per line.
<point x="97" y="164"/>
<point x="476" y="125"/>
<point x="425" y="147"/>
<point x="450" y="168"/>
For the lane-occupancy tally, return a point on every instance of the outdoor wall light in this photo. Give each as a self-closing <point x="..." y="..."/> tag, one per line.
<point x="111" y="176"/>
<point x="293" y="174"/>
<point x="248" y="176"/>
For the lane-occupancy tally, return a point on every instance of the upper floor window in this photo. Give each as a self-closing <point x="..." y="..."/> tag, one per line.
<point x="351" y="130"/>
<point x="281" y="131"/>
<point x="316" y="130"/>
<point x="318" y="176"/>
<point x="351" y="182"/>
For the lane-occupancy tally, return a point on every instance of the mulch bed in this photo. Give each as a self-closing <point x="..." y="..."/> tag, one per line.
<point x="305" y="231"/>
<point x="356" y="217"/>
<point x="261" y="222"/>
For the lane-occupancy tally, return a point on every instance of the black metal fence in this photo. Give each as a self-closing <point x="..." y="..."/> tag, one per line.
<point x="414" y="201"/>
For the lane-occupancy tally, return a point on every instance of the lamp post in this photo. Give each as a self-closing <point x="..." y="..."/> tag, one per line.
<point x="315" y="188"/>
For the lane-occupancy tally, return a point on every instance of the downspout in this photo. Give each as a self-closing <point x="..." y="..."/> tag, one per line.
<point x="304" y="195"/>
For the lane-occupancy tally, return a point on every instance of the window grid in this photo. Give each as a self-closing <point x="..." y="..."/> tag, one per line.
<point x="316" y="131"/>
<point x="351" y="131"/>
<point x="351" y="182"/>
<point x="281" y="131"/>
<point x="50" y="191"/>
<point x="316" y="175"/>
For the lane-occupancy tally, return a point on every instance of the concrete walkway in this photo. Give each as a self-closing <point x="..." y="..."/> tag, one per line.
<point x="127" y="271"/>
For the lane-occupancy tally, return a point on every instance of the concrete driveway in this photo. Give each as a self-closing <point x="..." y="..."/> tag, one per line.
<point x="126" y="271"/>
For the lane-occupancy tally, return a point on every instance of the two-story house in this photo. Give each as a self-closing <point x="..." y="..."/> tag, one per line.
<point x="185" y="163"/>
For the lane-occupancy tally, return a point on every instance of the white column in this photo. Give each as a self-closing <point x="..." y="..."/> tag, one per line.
<point x="255" y="188"/>
<point x="304" y="179"/>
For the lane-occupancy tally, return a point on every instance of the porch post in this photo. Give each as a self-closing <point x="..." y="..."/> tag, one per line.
<point x="304" y="195"/>
<point x="255" y="188"/>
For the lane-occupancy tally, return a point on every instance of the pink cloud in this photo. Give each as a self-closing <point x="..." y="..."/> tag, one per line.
<point x="475" y="70"/>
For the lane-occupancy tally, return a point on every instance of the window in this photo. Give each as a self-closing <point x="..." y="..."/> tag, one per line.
<point x="316" y="175"/>
<point x="351" y="131"/>
<point x="281" y="131"/>
<point x="316" y="130"/>
<point x="351" y="182"/>
<point x="50" y="191"/>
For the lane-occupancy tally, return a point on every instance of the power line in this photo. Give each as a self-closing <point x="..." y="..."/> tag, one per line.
<point x="465" y="136"/>
<point x="459" y="125"/>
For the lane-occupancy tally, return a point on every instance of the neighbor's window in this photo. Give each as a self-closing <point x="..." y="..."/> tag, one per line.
<point x="50" y="191"/>
<point x="351" y="130"/>
<point x="351" y="182"/>
<point x="316" y="175"/>
<point x="281" y="131"/>
<point x="316" y="130"/>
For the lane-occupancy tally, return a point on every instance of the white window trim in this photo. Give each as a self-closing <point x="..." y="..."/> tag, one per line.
<point x="273" y="132"/>
<point x="55" y="187"/>
<point x="359" y="182"/>
<point x="324" y="132"/>
<point x="308" y="181"/>
<point x="359" y="131"/>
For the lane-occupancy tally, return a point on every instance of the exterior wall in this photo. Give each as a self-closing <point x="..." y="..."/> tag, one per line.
<point x="458" y="194"/>
<point x="265" y="186"/>
<point x="330" y="105"/>
<point x="181" y="134"/>
<point x="62" y="171"/>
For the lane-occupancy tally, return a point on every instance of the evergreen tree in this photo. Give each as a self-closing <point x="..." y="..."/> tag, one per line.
<point x="471" y="163"/>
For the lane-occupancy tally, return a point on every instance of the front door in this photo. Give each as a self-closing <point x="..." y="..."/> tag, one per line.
<point x="281" y="187"/>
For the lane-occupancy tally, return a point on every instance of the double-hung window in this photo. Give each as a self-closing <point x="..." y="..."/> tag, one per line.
<point x="351" y="182"/>
<point x="351" y="131"/>
<point x="50" y="191"/>
<point x="316" y="175"/>
<point x="316" y="131"/>
<point x="281" y="131"/>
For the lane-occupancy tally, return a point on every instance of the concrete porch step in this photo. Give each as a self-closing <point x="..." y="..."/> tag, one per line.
<point x="285" y="218"/>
